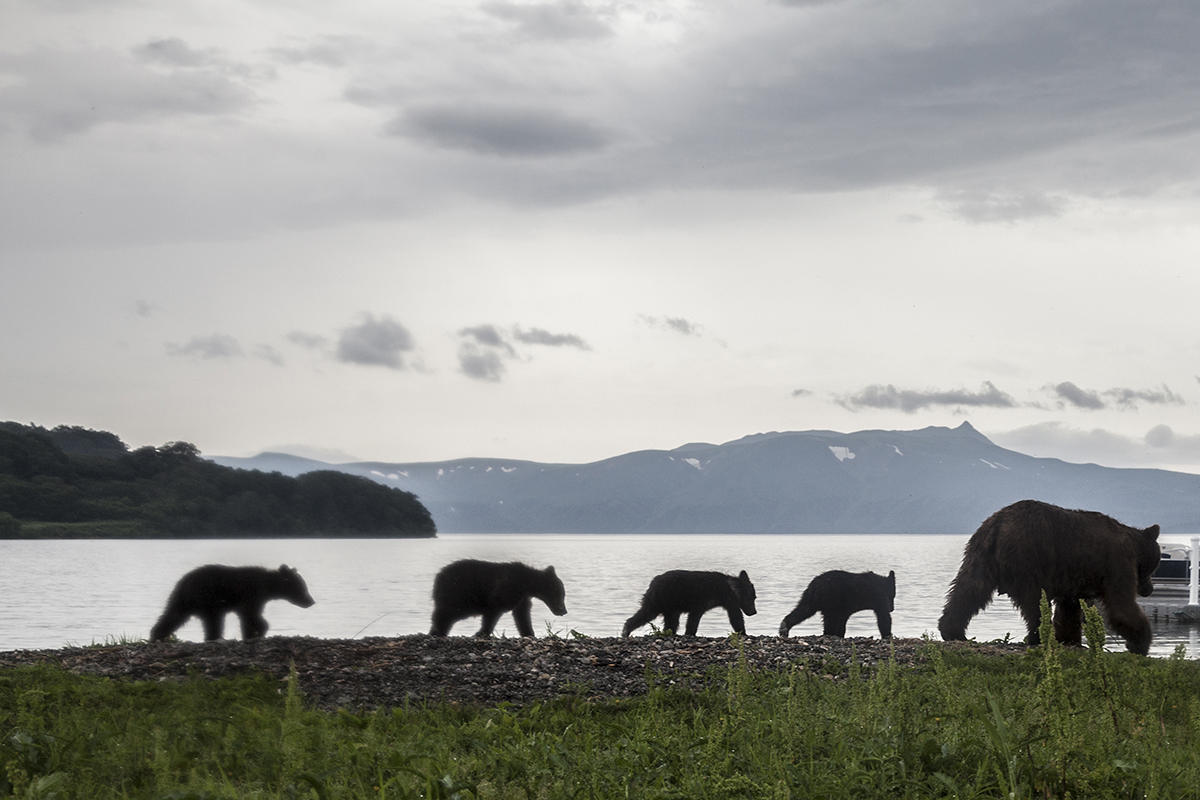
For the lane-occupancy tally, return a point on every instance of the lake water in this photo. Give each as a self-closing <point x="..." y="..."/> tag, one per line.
<point x="57" y="593"/>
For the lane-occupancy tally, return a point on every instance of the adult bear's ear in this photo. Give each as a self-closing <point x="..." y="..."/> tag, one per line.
<point x="1152" y="533"/>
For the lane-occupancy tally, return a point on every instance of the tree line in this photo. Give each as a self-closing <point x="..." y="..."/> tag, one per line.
<point x="73" y="481"/>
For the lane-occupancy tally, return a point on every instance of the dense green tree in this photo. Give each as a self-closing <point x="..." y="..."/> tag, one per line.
<point x="172" y="491"/>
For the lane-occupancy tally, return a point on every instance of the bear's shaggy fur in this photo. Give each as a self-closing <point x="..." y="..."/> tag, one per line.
<point x="1030" y="547"/>
<point x="469" y="588"/>
<point x="837" y="595"/>
<point x="210" y="592"/>
<point x="679" y="591"/>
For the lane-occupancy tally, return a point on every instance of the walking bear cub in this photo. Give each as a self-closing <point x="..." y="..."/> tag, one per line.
<point x="1032" y="547"/>
<point x="212" y="591"/>
<point x="837" y="595"/>
<point x="471" y="588"/>
<point x="677" y="592"/>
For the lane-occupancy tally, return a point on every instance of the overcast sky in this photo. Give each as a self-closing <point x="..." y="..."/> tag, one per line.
<point x="567" y="230"/>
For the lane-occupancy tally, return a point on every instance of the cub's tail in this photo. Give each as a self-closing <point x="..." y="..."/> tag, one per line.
<point x="974" y="586"/>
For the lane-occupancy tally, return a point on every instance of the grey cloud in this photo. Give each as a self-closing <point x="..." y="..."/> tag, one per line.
<point x="801" y="393"/>
<point x="480" y="364"/>
<point x="910" y="401"/>
<point x="500" y="131"/>
<point x="562" y="20"/>
<point x="483" y="349"/>
<point x="60" y="93"/>
<point x="311" y="341"/>
<point x="217" y="345"/>
<point x="1129" y="398"/>
<point x="1159" y="447"/>
<point x="488" y="336"/>
<point x="328" y="51"/>
<point x="544" y="337"/>
<point x="990" y="206"/>
<point x="268" y="353"/>
<point x="175" y="52"/>
<point x="677" y="324"/>
<point x="680" y="325"/>
<point x="1070" y="393"/>
<point x="144" y="308"/>
<point x="374" y="342"/>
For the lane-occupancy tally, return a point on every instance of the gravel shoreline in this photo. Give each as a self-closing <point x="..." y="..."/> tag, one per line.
<point x="368" y="673"/>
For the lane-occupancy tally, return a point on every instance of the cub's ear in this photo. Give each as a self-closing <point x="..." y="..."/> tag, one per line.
<point x="284" y="568"/>
<point x="892" y="576"/>
<point x="550" y="570"/>
<point x="742" y="576"/>
<point x="1152" y="533"/>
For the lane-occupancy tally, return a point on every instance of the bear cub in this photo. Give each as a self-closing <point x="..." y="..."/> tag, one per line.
<point x="837" y="595"/>
<point x="679" y="591"/>
<point x="470" y="588"/>
<point x="210" y="592"/>
<point x="1032" y="547"/>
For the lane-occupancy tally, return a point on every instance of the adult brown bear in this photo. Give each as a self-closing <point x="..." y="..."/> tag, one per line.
<point x="1031" y="547"/>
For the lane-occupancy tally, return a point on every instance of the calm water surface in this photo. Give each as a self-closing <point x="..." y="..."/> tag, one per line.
<point x="79" y="592"/>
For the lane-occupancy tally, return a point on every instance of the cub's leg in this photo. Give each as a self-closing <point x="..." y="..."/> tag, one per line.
<point x="671" y="622"/>
<point x="884" y="620"/>
<point x="490" y="618"/>
<point x="736" y="620"/>
<point x="835" y="623"/>
<point x="521" y="615"/>
<point x="693" y="622"/>
<point x="214" y="624"/>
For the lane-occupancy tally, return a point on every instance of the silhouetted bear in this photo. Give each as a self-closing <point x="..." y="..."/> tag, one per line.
<point x="683" y="591"/>
<point x="212" y="591"/>
<point x="837" y="595"/>
<point x="1031" y="547"/>
<point x="468" y="588"/>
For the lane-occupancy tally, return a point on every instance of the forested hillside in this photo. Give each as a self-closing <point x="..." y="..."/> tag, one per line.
<point x="75" y="482"/>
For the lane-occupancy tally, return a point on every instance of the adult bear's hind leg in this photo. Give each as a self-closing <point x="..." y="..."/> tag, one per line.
<point x="1068" y="621"/>
<point x="1029" y="604"/>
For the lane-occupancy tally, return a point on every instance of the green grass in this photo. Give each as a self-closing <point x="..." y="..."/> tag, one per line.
<point x="1050" y="723"/>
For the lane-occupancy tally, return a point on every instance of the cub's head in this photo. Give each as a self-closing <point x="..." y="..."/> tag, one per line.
<point x="1148" y="557"/>
<point x="744" y="590"/>
<point x="295" y="590"/>
<point x="553" y="594"/>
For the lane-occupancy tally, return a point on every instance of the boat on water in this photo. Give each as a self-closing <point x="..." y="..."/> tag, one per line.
<point x="1174" y="566"/>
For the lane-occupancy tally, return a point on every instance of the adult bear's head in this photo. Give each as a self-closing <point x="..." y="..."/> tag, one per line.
<point x="744" y="590"/>
<point x="1149" y="555"/>
<point x="293" y="588"/>
<point x="552" y="592"/>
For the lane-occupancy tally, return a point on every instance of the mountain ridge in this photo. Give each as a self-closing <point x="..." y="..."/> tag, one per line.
<point x="931" y="480"/>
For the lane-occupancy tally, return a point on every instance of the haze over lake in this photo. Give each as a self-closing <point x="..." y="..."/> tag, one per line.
<point x="80" y="592"/>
